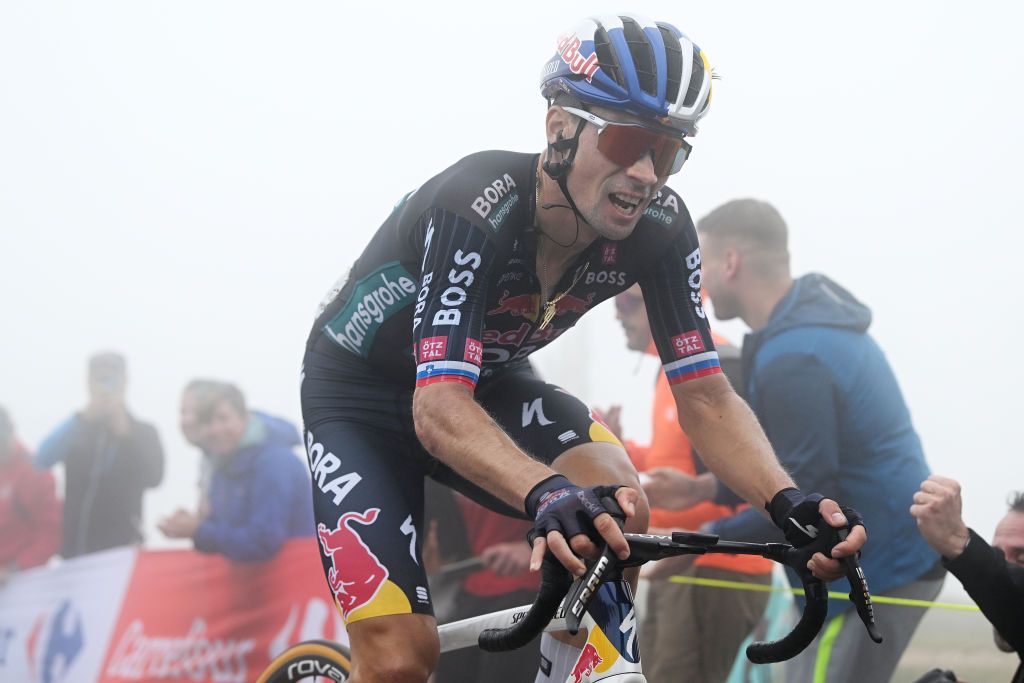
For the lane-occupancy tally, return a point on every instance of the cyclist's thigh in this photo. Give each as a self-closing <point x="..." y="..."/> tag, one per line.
<point x="367" y="479"/>
<point x="545" y="420"/>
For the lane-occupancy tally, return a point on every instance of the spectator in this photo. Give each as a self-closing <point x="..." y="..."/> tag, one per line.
<point x="687" y="627"/>
<point x="992" y="575"/>
<point x="259" y="493"/>
<point x="29" y="509"/>
<point x="110" y="459"/>
<point x="505" y="581"/>
<point x="833" y="411"/>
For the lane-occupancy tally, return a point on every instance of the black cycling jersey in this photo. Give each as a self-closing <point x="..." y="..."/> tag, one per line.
<point x="447" y="289"/>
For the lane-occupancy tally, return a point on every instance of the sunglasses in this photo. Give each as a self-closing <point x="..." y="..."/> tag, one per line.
<point x="626" y="143"/>
<point x="627" y="304"/>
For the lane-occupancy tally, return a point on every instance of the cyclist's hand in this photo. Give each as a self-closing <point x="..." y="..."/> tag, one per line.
<point x="800" y="516"/>
<point x="568" y="518"/>
<point x="829" y="569"/>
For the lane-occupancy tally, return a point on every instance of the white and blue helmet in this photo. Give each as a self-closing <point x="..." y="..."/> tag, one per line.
<point x="630" y="63"/>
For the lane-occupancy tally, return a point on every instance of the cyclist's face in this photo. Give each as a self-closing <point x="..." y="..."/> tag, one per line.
<point x="222" y="433"/>
<point x="611" y="197"/>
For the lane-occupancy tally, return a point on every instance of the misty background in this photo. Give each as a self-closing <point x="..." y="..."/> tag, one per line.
<point x="182" y="182"/>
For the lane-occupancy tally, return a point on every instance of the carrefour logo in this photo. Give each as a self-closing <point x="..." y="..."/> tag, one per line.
<point x="375" y="298"/>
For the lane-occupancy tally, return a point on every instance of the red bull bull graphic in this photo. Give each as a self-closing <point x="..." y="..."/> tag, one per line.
<point x="585" y="665"/>
<point x="568" y="303"/>
<point x="358" y="576"/>
<point x="521" y="305"/>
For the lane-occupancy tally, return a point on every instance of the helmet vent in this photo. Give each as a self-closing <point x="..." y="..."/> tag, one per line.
<point x="674" y="59"/>
<point x="643" y="55"/>
<point x="696" y="79"/>
<point x="606" y="56"/>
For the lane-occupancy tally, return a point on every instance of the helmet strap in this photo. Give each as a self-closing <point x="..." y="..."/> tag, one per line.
<point x="559" y="172"/>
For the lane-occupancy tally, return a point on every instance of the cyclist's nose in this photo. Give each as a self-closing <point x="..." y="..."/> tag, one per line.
<point x="642" y="170"/>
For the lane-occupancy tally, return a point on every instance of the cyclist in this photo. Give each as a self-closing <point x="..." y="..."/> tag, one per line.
<point x="417" y="363"/>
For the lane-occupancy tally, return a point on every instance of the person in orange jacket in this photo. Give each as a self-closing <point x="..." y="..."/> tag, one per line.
<point x="687" y="627"/>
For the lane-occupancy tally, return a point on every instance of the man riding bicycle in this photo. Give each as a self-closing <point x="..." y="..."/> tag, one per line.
<point x="417" y="364"/>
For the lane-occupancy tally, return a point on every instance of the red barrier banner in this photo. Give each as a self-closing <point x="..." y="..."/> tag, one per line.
<point x="194" y="617"/>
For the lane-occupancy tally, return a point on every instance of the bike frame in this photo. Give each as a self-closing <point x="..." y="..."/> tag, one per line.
<point x="612" y="650"/>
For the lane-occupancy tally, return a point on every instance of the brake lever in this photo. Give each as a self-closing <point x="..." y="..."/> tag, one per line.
<point x="860" y="596"/>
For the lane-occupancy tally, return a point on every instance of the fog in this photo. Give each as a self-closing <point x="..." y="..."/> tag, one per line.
<point x="182" y="182"/>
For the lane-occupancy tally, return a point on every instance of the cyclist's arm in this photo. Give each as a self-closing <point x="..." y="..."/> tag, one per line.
<point x="456" y="430"/>
<point x="727" y="435"/>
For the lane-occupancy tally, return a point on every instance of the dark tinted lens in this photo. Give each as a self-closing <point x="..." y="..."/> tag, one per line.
<point x="625" y="144"/>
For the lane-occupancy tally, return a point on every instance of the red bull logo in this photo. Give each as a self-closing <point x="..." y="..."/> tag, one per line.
<point x="522" y="305"/>
<point x="572" y="304"/>
<point x="358" y="576"/>
<point x="585" y="665"/>
<point x="569" y="50"/>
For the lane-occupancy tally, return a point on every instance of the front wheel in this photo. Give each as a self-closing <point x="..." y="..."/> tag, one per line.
<point x="310" y="660"/>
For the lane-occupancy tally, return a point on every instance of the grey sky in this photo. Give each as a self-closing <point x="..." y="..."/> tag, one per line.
<point x="183" y="182"/>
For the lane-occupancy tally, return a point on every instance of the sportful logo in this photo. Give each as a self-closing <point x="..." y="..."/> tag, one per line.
<point x="568" y="48"/>
<point x="376" y="297"/>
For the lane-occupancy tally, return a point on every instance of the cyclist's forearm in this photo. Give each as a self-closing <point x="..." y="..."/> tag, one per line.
<point x="732" y="444"/>
<point x="453" y="427"/>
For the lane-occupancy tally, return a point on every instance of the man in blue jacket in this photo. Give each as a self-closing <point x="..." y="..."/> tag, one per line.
<point x="258" y="491"/>
<point x="833" y="411"/>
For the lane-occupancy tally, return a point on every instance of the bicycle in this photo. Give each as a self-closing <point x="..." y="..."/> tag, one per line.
<point x="601" y="601"/>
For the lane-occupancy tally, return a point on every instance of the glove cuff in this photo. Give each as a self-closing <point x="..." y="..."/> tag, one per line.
<point x="535" y="497"/>
<point x="781" y="504"/>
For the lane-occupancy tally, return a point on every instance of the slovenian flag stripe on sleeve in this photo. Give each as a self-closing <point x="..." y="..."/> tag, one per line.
<point x="692" y="367"/>
<point x="447" y="371"/>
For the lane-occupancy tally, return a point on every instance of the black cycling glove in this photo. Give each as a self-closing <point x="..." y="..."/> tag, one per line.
<point x="798" y="517"/>
<point x="556" y="504"/>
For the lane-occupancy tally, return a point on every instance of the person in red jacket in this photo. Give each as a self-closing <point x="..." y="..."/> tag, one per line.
<point x="30" y="513"/>
<point x="687" y="628"/>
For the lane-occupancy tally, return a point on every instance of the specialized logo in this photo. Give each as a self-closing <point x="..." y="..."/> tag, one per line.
<point x="490" y="197"/>
<point x="356" y="575"/>
<point x="521" y="305"/>
<point x="687" y="344"/>
<point x="568" y="48"/>
<point x="375" y="298"/>
<point x="585" y="665"/>
<point x="535" y="410"/>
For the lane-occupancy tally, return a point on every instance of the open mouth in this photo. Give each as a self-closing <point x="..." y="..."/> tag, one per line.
<point x="627" y="204"/>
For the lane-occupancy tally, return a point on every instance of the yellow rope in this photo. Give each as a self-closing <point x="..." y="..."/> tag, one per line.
<point x="879" y="599"/>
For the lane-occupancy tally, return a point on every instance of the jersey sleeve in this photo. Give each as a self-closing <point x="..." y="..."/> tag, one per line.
<point x="678" y="322"/>
<point x="448" y="319"/>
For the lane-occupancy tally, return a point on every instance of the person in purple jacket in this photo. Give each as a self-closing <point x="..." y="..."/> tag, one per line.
<point x="258" y="489"/>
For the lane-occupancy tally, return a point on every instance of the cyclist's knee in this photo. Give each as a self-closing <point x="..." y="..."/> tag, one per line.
<point x="401" y="648"/>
